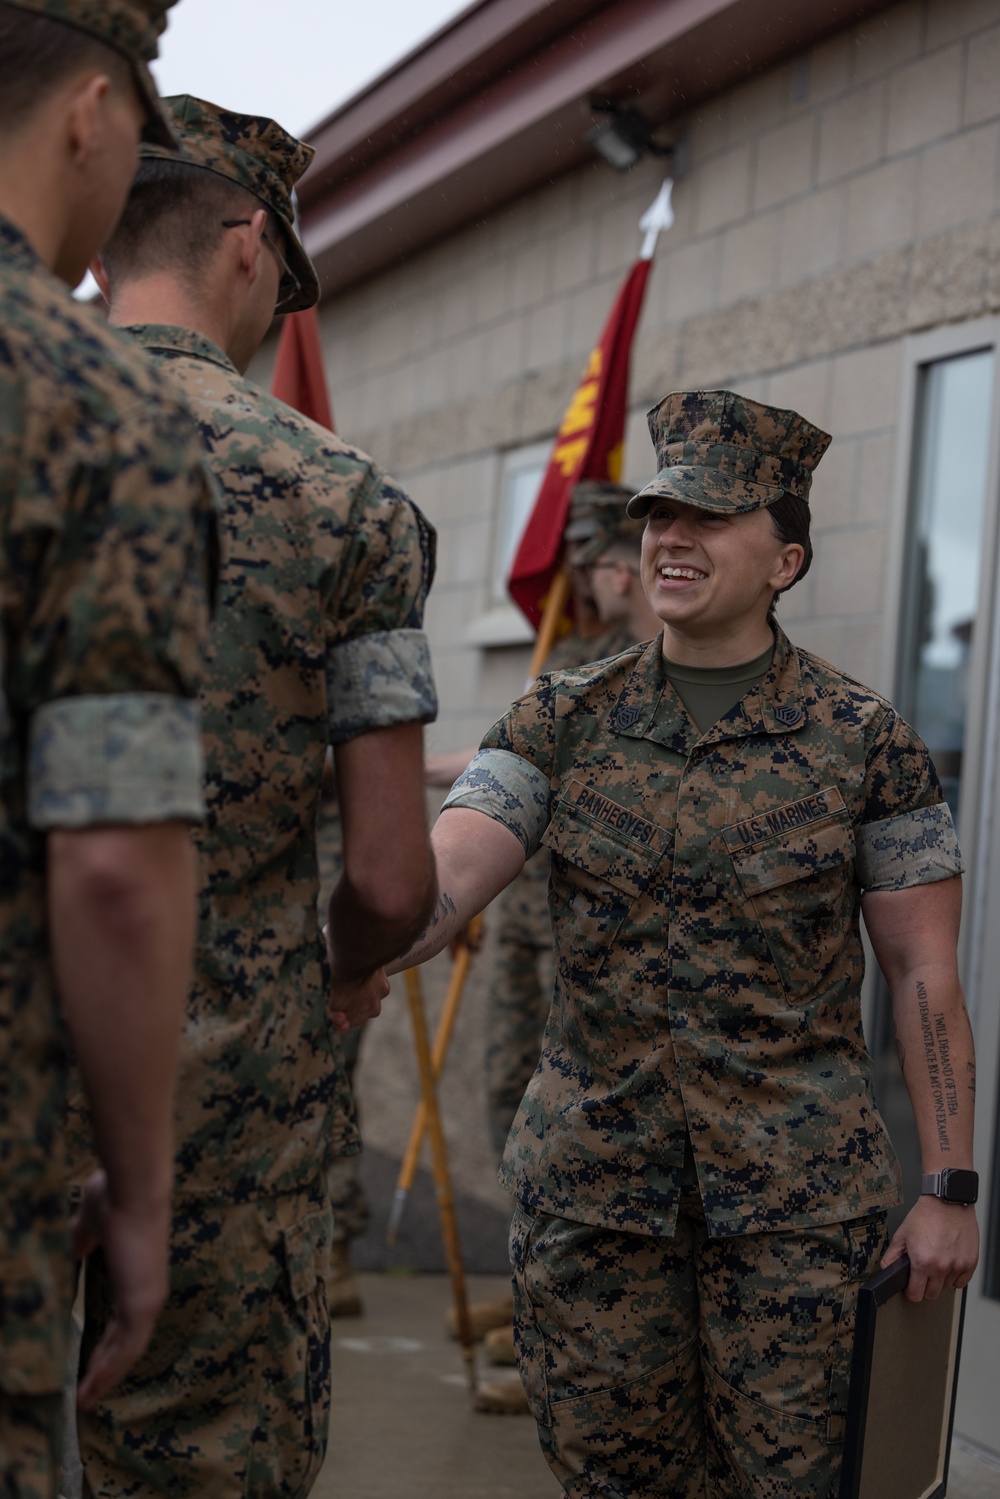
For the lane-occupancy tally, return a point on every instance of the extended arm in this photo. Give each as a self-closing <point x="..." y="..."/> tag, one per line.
<point x="914" y="933"/>
<point x="476" y="858"/>
<point x="387" y="889"/>
<point x="121" y="913"/>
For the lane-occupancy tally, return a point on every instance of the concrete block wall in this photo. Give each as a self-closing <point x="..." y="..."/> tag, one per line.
<point x="833" y="205"/>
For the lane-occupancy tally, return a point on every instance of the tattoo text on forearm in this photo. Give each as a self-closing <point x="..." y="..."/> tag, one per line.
<point x="940" y="1070"/>
<point x="423" y="948"/>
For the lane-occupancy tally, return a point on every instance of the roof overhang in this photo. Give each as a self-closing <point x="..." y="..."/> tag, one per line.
<point x="496" y="103"/>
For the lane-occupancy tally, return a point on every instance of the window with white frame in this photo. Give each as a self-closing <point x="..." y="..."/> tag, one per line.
<point x="520" y="479"/>
<point x="941" y="650"/>
<point x="951" y="452"/>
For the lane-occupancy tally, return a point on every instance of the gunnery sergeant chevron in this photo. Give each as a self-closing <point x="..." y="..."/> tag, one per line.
<point x="701" y="1173"/>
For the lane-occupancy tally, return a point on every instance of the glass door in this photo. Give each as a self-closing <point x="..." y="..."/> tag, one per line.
<point x="948" y="686"/>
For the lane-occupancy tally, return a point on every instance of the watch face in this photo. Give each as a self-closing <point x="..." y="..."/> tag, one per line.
<point x="960" y="1186"/>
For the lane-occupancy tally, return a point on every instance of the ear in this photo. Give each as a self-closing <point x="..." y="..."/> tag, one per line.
<point x="85" y="118"/>
<point x="252" y="246"/>
<point x="623" y="578"/>
<point x="787" y="569"/>
<point x="100" y="275"/>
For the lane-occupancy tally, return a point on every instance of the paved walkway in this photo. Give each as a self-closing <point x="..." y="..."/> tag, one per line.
<point x="403" y="1426"/>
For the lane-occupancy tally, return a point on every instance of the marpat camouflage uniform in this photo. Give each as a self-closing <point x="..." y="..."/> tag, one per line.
<point x="701" y="1124"/>
<point x="326" y="567"/>
<point x="517" y="1005"/>
<point x="351" y="1212"/>
<point x="106" y="512"/>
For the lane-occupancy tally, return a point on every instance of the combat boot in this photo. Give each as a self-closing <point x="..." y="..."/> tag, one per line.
<point x="483" y="1315"/>
<point x="498" y="1345"/>
<point x="505" y="1398"/>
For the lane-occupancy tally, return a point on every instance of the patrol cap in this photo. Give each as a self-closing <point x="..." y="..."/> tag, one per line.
<point x="598" y="518"/>
<point x="723" y="452"/>
<point x="132" y="28"/>
<point x="255" y="153"/>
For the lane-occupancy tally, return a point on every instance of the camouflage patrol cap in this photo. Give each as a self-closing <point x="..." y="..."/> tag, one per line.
<point x="720" y="451"/>
<point x="255" y="153"/>
<point x="132" y="28"/>
<point x="598" y="519"/>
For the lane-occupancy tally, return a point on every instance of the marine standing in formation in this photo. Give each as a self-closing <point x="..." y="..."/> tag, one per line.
<point x="701" y="1174"/>
<point x="105" y="509"/>
<point x="318" y="642"/>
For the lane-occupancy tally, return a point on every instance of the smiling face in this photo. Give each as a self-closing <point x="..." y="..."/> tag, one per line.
<point x="710" y="578"/>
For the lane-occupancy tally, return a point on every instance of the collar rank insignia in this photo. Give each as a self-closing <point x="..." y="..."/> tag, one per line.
<point x="789" y="715"/>
<point x="626" y="716"/>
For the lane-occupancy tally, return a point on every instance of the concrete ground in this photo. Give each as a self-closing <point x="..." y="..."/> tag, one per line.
<point x="403" y="1426"/>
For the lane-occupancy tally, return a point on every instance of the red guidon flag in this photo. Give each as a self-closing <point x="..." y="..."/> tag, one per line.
<point x="588" y="446"/>
<point x="299" y="378"/>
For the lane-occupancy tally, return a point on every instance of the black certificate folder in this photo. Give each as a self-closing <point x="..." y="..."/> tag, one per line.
<point x="904" y="1376"/>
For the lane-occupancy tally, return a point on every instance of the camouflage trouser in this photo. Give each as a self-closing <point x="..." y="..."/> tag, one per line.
<point x="520" y="994"/>
<point x="31" y="1433"/>
<point x="351" y="1213"/>
<point x="232" y="1397"/>
<point x="690" y="1367"/>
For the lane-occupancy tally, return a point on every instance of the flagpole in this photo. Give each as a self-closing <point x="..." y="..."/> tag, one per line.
<point x="555" y="604"/>
<point x="658" y="217"/>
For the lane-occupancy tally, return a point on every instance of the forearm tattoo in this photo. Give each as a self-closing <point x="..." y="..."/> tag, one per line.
<point x="427" y="943"/>
<point x="940" y="1070"/>
<point x="900" y="1048"/>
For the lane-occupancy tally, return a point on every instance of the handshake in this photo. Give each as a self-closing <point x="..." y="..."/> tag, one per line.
<point x="353" y="1000"/>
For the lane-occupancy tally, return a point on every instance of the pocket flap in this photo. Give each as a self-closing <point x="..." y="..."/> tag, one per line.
<point x="791" y="842"/>
<point x="307" y="1246"/>
<point x="614" y="844"/>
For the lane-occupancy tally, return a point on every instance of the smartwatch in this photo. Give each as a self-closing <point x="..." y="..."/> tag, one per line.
<point x="951" y="1186"/>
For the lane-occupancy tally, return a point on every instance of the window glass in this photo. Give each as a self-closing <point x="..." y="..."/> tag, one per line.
<point x="951" y="452"/>
<point x="522" y="474"/>
<point x="950" y="460"/>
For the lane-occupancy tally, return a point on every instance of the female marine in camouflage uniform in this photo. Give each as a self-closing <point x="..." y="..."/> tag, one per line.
<point x="701" y="1172"/>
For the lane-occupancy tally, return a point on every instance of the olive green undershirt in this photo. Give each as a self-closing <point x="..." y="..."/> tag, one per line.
<point x="708" y="693"/>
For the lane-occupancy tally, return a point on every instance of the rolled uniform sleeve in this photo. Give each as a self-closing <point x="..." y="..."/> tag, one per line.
<point x="110" y="612"/>
<point x="509" y="779"/>
<point x="907" y="836"/>
<point x="378" y="659"/>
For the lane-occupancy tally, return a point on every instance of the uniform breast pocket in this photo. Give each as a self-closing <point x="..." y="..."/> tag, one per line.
<point x="601" y="866"/>
<point x="795" y="864"/>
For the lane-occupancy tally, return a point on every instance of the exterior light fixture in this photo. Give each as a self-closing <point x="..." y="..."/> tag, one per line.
<point x="624" y="136"/>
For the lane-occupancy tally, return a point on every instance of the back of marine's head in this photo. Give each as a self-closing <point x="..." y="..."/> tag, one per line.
<point x="44" y="42"/>
<point x="225" y="166"/>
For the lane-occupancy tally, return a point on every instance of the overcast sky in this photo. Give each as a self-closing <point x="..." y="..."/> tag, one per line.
<point x="294" y="60"/>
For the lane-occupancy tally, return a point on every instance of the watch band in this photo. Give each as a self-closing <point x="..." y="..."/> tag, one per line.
<point x="951" y="1185"/>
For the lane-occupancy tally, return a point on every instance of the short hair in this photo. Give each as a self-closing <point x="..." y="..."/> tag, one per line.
<point x="173" y="221"/>
<point x="790" y="521"/>
<point x="38" y="55"/>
